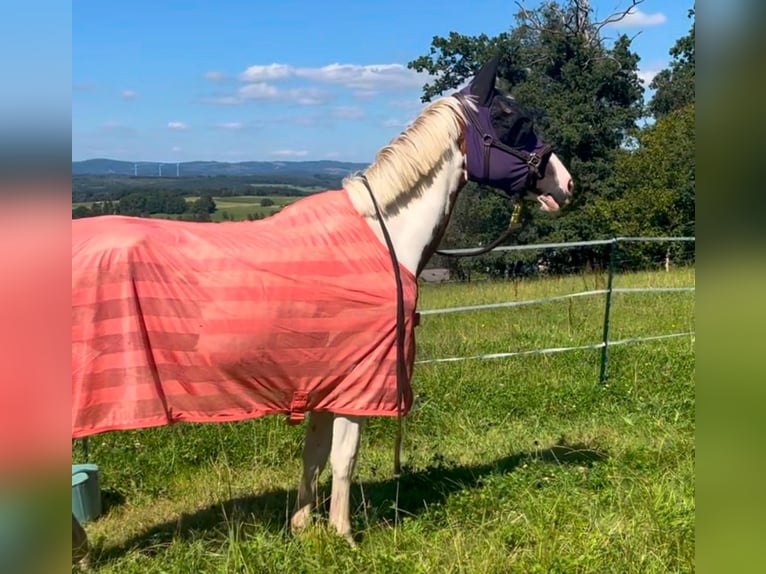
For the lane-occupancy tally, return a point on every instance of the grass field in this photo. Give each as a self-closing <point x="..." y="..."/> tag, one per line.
<point x="512" y="465"/>
<point x="237" y="206"/>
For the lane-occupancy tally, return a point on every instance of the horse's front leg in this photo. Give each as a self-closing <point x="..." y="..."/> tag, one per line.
<point x="316" y="449"/>
<point x="345" y="446"/>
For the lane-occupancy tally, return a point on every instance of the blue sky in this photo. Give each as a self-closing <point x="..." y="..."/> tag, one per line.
<point x="284" y="80"/>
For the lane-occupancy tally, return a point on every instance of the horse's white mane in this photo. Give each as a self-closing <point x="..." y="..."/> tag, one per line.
<point x="405" y="164"/>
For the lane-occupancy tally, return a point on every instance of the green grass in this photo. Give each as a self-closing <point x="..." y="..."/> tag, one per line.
<point x="237" y="207"/>
<point x="512" y="465"/>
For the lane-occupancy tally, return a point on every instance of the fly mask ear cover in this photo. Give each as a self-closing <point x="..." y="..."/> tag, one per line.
<point x="512" y="162"/>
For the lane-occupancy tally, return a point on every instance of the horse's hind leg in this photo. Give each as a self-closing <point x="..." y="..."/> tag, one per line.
<point x="316" y="449"/>
<point x="345" y="446"/>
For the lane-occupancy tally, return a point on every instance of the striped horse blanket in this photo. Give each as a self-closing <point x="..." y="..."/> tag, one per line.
<point x="209" y="322"/>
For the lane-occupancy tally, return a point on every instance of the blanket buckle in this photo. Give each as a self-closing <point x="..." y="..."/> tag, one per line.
<point x="298" y="407"/>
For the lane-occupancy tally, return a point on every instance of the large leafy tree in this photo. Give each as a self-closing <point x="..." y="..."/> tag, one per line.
<point x="652" y="190"/>
<point x="675" y="85"/>
<point x="584" y="94"/>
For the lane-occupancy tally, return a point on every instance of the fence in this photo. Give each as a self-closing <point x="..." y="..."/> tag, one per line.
<point x="605" y="343"/>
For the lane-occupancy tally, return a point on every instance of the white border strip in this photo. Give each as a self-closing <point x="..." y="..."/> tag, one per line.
<point x="553" y="350"/>
<point x="554" y="299"/>
<point x="573" y="244"/>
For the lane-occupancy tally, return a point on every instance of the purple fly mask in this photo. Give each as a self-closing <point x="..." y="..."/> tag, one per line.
<point x="503" y="150"/>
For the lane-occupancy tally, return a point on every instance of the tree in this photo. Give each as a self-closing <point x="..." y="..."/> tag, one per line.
<point x="81" y="211"/>
<point x="675" y="85"/>
<point x="205" y="204"/>
<point x="134" y="204"/>
<point x="652" y="191"/>
<point x="267" y="202"/>
<point x="174" y="203"/>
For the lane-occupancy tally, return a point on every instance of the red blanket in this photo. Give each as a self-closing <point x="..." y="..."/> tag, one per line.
<point x="204" y="322"/>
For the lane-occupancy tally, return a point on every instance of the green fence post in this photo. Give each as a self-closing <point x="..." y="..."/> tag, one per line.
<point x="608" y="308"/>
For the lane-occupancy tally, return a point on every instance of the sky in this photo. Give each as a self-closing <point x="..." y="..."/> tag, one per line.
<point x="228" y="80"/>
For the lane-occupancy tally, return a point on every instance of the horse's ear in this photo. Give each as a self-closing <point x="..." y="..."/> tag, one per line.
<point x="483" y="84"/>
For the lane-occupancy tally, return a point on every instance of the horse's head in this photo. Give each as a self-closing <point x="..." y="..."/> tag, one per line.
<point x="503" y="150"/>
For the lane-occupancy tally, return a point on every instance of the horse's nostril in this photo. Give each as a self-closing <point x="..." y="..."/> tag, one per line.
<point x="570" y="186"/>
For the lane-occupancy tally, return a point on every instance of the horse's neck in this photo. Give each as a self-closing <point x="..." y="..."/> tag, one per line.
<point x="417" y="223"/>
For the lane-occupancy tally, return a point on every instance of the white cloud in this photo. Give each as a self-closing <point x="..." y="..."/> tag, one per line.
<point x="367" y="80"/>
<point x="408" y="104"/>
<point x="270" y="72"/>
<point x="261" y="91"/>
<point x="178" y="126"/>
<point x="635" y="18"/>
<point x="215" y="76"/>
<point x="224" y="101"/>
<point x="370" y="78"/>
<point x="363" y="82"/>
<point x="175" y="148"/>
<point x="348" y="113"/>
<point x="290" y="153"/>
<point x="258" y="91"/>
<point x="646" y="76"/>
<point x="231" y="125"/>
<point x="307" y="96"/>
<point x="395" y="123"/>
<point x="365" y="94"/>
<point x="129" y="94"/>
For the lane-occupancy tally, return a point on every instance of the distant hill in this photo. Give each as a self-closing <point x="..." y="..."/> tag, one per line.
<point x="101" y="166"/>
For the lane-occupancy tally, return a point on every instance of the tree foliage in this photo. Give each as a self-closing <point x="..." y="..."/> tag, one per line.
<point x="652" y="190"/>
<point x="675" y="87"/>
<point x="144" y="203"/>
<point x="151" y="202"/>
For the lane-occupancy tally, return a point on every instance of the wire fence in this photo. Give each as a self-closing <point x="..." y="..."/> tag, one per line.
<point x="608" y="292"/>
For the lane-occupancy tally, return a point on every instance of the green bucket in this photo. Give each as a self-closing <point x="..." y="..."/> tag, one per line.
<point x="86" y="494"/>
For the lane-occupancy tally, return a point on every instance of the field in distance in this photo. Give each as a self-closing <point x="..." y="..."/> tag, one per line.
<point x="232" y="208"/>
<point x="238" y="207"/>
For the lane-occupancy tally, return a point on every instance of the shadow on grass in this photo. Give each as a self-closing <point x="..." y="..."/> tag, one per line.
<point x="418" y="490"/>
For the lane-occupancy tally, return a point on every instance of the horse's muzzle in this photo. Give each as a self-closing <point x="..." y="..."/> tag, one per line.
<point x="562" y="197"/>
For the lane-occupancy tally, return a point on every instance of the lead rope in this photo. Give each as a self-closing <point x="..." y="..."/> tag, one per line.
<point x="513" y="224"/>
<point x="400" y="367"/>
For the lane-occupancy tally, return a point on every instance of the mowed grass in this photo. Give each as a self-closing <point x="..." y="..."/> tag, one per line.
<point x="236" y="207"/>
<point x="523" y="464"/>
<point x="239" y="207"/>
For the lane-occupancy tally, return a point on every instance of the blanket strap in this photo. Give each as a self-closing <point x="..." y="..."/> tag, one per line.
<point x="401" y="374"/>
<point x="298" y="407"/>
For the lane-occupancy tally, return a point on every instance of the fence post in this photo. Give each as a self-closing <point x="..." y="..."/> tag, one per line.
<point x="607" y="311"/>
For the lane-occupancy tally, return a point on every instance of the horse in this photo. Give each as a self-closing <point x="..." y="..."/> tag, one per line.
<point x="151" y="347"/>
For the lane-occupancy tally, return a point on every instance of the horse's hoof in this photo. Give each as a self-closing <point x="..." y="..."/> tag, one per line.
<point x="299" y="522"/>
